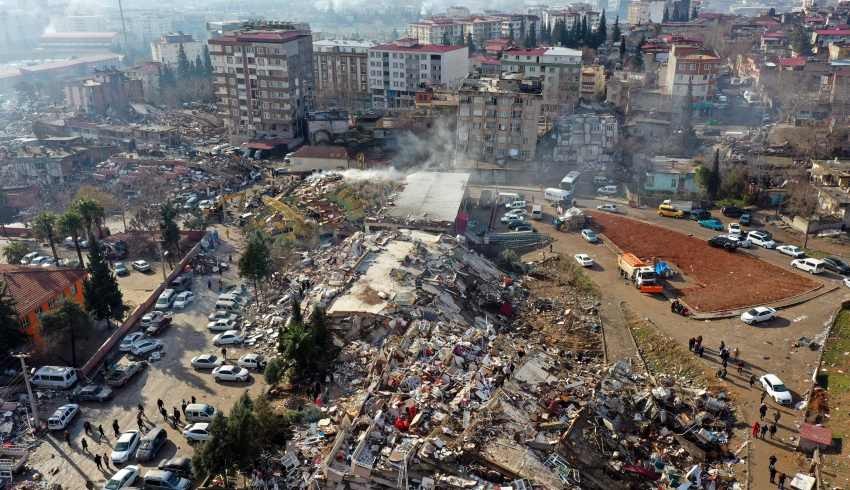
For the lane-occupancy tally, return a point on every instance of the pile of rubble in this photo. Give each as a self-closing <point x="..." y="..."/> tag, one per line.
<point x="442" y="381"/>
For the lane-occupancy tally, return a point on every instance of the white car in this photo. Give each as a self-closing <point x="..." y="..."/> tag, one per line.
<point x="222" y="325"/>
<point x="776" y="389"/>
<point x="758" y="314"/>
<point x="740" y="240"/>
<point x="166" y="298"/>
<point x="222" y="314"/>
<point x="735" y="229"/>
<point x="516" y="205"/>
<point x="129" y="341"/>
<point x="124" y="478"/>
<point x="847" y="281"/>
<point x="812" y="266"/>
<point x="761" y="239"/>
<point x="125" y="447"/>
<point x="583" y="260"/>
<point x="197" y="432"/>
<point x="252" y="361"/>
<point x="792" y="250"/>
<point x="26" y="259"/>
<point x="152" y="318"/>
<point x="141" y="265"/>
<point x="145" y="346"/>
<point x="508" y="218"/>
<point x="608" y="190"/>
<point x="227" y="338"/>
<point x="230" y="373"/>
<point x="183" y="300"/>
<point x="589" y="235"/>
<point x="610" y="208"/>
<point x="206" y="361"/>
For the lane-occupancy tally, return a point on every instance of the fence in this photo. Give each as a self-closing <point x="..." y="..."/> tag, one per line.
<point x="97" y="359"/>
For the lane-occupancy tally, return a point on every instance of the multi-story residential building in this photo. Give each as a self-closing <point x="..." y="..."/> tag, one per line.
<point x="822" y="38"/>
<point x="691" y="68"/>
<point x="558" y="68"/>
<point x="264" y="80"/>
<point x="586" y="139"/>
<point x="148" y="73"/>
<point x="457" y="11"/>
<point x="341" y="74"/>
<point x="166" y="50"/>
<point x="83" y="23"/>
<point x="592" y="82"/>
<point x="437" y="30"/>
<point x="77" y="43"/>
<point x="104" y="93"/>
<point x="397" y="70"/>
<point x="497" y="118"/>
<point x="647" y="11"/>
<point x="571" y="15"/>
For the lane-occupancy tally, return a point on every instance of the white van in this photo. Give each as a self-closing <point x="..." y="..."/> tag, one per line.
<point x="810" y="265"/>
<point x="557" y="195"/>
<point x="537" y="212"/>
<point x="506" y="197"/>
<point x="200" y="412"/>
<point x="63" y="416"/>
<point x="54" y="377"/>
<point x="165" y="299"/>
<point x="226" y="305"/>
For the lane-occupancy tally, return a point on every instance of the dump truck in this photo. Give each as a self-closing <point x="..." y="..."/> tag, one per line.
<point x="640" y="273"/>
<point x="119" y="375"/>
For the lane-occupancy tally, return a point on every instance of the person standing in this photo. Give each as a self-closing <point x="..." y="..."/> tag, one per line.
<point x="776" y="416"/>
<point x="691" y="342"/>
<point x="781" y="484"/>
<point x="772" y="431"/>
<point x="763" y="431"/>
<point x="67" y="438"/>
<point x="100" y="432"/>
<point x="701" y="350"/>
<point x="762" y="410"/>
<point x="97" y="462"/>
<point x="193" y="399"/>
<point x="772" y="468"/>
<point x="183" y="407"/>
<point x="763" y="394"/>
<point x="115" y="427"/>
<point x="105" y="460"/>
<point x="164" y="413"/>
<point x="160" y="403"/>
<point x="224" y="353"/>
<point x="752" y="380"/>
<point x="141" y="409"/>
<point x="699" y="341"/>
<point x="756" y="428"/>
<point x="84" y="444"/>
<point x="722" y="346"/>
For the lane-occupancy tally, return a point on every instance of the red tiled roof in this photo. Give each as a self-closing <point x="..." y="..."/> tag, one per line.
<point x="796" y="61"/>
<point x="817" y="434"/>
<point x="526" y="52"/>
<point x="485" y="60"/>
<point x="774" y="35"/>
<point x="416" y="48"/>
<point x="336" y="152"/>
<point x="833" y="32"/>
<point x="32" y="286"/>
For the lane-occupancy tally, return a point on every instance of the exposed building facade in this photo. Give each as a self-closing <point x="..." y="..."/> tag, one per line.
<point x="558" y="68"/>
<point x="166" y="50"/>
<point x="104" y="93"/>
<point x="586" y="139"/>
<point x="691" y="68"/>
<point x="397" y="70"/>
<point x="340" y="70"/>
<point x="497" y="118"/>
<point x="263" y="81"/>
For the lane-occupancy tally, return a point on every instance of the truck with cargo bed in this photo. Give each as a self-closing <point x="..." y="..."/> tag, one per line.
<point x="639" y="273"/>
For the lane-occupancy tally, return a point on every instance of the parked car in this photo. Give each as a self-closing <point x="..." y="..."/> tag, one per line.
<point x="145" y="346"/>
<point x="125" y="447"/>
<point x="761" y="238"/>
<point x="63" y="416"/>
<point x="180" y="466"/>
<point x="522" y="227"/>
<point x="711" y="224"/>
<point x="197" y="432"/>
<point x="589" y="235"/>
<point x="165" y="299"/>
<point x="669" y="211"/>
<point x="516" y="205"/>
<point x="516" y="224"/>
<point x="608" y="208"/>
<point x="222" y="314"/>
<point x="847" y="281"/>
<point x="812" y="266"/>
<point x="129" y="341"/>
<point x="512" y="218"/>
<point x="792" y="250"/>
<point x="746" y="219"/>
<point x="183" y="300"/>
<point x="228" y="338"/>
<point x="123" y="478"/>
<point x="776" y="389"/>
<point x="698" y="214"/>
<point x="206" y="361"/>
<point x="230" y="373"/>
<point x="121" y="269"/>
<point x="252" y="361"/>
<point x="836" y="265"/>
<point x="732" y="211"/>
<point x="91" y="393"/>
<point x="152" y="317"/>
<point x="608" y="190"/>
<point x="141" y="265"/>
<point x="222" y="325"/>
<point x="26" y="259"/>
<point x="723" y="242"/>
<point x="740" y="241"/>
<point x="758" y="314"/>
<point x="583" y="260"/>
<point x="735" y="229"/>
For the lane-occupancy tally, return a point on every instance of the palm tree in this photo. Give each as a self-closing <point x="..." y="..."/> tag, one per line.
<point x="44" y="227"/>
<point x="91" y="214"/>
<point x="71" y="223"/>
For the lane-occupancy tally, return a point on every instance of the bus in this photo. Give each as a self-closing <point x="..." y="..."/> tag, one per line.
<point x="568" y="183"/>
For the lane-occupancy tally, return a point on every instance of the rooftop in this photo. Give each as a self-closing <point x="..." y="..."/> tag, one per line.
<point x="260" y="37"/>
<point x="410" y="46"/>
<point x="670" y="165"/>
<point x="31" y="287"/>
<point x="431" y="196"/>
<point x="336" y="152"/>
<point x="342" y="43"/>
<point x="833" y="32"/>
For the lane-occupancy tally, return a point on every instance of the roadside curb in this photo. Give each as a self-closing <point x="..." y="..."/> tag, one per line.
<point x="817" y="292"/>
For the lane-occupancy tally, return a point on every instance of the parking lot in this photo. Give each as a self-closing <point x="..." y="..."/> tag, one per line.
<point x="171" y="379"/>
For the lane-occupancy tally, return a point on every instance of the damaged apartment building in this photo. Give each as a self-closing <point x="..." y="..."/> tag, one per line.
<point x="586" y="139"/>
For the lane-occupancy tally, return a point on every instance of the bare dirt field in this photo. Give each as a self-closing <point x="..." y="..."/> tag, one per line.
<point x="717" y="280"/>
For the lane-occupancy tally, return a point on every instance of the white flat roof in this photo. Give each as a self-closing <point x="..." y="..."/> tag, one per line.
<point x="431" y="196"/>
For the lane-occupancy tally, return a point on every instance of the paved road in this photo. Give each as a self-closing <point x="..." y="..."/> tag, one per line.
<point x="171" y="379"/>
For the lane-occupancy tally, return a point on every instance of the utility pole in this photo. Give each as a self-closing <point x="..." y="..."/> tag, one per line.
<point x="124" y="32"/>
<point x="34" y="409"/>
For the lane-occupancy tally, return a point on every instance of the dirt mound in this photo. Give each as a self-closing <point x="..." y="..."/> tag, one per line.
<point x="719" y="280"/>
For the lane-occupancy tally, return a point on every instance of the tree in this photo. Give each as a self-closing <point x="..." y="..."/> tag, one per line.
<point x="713" y="185"/>
<point x="601" y="31"/>
<point x="307" y="349"/>
<point x="255" y="264"/>
<point x="800" y="41"/>
<point x="274" y="371"/>
<point x="12" y="334"/>
<point x="7" y="212"/>
<point x="470" y="43"/>
<point x="273" y="429"/>
<point x="771" y="12"/>
<point x="615" y="32"/>
<point x="584" y="36"/>
<point x="169" y="232"/>
<point x="68" y="320"/>
<point x="688" y="136"/>
<point x="447" y="40"/>
<point x="531" y="39"/>
<point x="676" y="14"/>
<point x="91" y="214"/>
<point x="511" y="31"/>
<point x="71" y="223"/>
<point x="15" y="250"/>
<point x="184" y="68"/>
<point x="666" y="16"/>
<point x="100" y="289"/>
<point x="198" y="70"/>
<point x="802" y="200"/>
<point x="243" y="430"/>
<point x="107" y="201"/>
<point x="44" y="228"/>
<point x="622" y="48"/>
<point x="208" y="66"/>
<point x="217" y="455"/>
